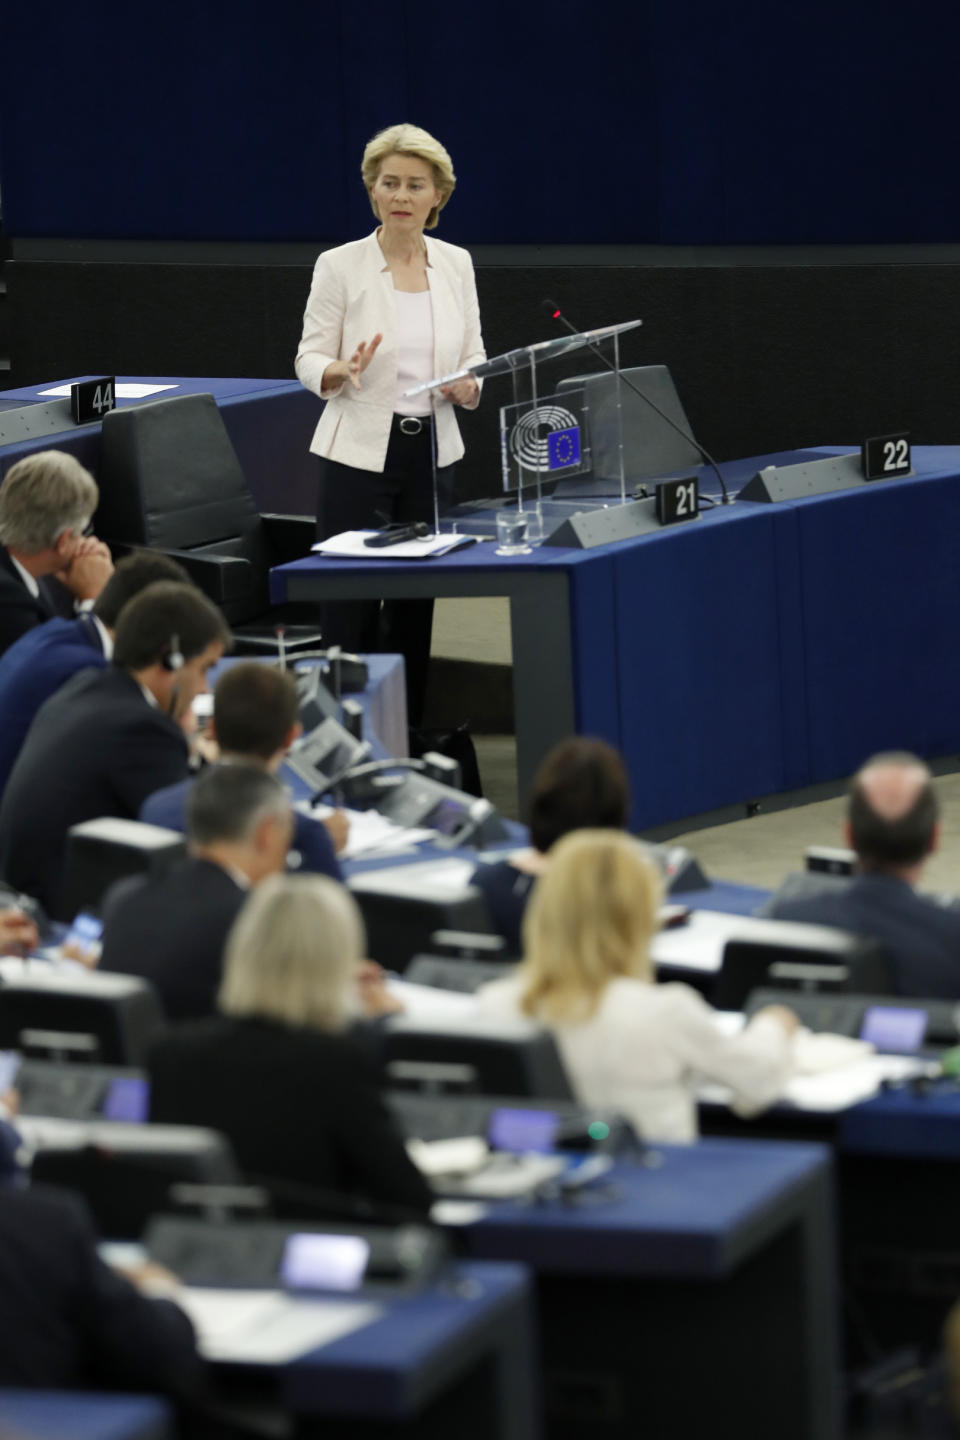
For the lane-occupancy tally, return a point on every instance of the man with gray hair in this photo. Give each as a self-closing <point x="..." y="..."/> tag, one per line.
<point x="893" y="825"/>
<point x="171" y="929"/>
<point x="47" y="502"/>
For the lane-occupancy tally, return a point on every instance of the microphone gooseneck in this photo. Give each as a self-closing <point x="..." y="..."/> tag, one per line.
<point x="554" y="311"/>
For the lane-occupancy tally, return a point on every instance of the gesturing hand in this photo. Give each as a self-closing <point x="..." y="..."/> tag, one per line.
<point x="342" y="370"/>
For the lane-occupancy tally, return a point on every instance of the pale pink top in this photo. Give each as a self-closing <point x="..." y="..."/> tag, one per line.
<point x="414" y="349"/>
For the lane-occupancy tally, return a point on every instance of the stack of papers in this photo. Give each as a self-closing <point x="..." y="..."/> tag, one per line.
<point x="267" y="1327"/>
<point x="350" y="544"/>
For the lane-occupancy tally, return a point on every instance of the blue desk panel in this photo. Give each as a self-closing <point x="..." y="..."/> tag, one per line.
<point x="759" y="649"/>
<point x="69" y="1415"/>
<point x="396" y="1365"/>
<point x="904" y="1125"/>
<point x="695" y="1214"/>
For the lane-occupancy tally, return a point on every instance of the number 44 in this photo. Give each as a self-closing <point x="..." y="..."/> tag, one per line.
<point x="102" y="399"/>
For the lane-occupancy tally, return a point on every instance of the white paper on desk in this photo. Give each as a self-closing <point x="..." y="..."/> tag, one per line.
<point x="834" y="1090"/>
<point x="446" y="879"/>
<point x="128" y="390"/>
<point x="267" y="1327"/>
<point x="350" y="545"/>
<point x="429" y="1003"/>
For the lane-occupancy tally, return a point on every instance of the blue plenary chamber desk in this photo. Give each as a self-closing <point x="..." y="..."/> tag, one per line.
<point x="759" y="649"/>
<point x="699" y="1298"/>
<point x="270" y="423"/>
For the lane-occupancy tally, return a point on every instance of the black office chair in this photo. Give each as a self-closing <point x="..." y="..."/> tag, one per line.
<point x="100" y="852"/>
<point x="400" y="926"/>
<point x="99" y="1019"/>
<point x="783" y="955"/>
<point x="170" y="480"/>
<point x="125" y="1172"/>
<point x="474" y="1057"/>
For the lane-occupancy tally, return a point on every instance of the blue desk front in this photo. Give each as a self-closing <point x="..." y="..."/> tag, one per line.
<point x="69" y="1415"/>
<point x="702" y="1290"/>
<point x="457" y="1359"/>
<point x="760" y="649"/>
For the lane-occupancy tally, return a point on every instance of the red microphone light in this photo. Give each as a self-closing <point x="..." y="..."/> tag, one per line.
<point x="555" y="315"/>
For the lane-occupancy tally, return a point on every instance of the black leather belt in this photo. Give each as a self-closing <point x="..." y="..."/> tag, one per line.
<point x="410" y="424"/>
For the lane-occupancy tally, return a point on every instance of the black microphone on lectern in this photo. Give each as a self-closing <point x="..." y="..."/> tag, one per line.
<point x="551" y="308"/>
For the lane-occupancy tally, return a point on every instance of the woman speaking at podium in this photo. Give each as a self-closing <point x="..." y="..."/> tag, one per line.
<point x="384" y="314"/>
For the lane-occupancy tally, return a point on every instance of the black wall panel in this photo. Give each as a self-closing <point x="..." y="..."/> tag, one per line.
<point x="766" y="357"/>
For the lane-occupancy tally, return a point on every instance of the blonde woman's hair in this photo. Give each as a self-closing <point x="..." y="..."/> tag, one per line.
<point x="409" y="140"/>
<point x="591" y="918"/>
<point x="292" y="953"/>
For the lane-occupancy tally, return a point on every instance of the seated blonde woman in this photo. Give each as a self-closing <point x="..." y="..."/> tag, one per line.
<point x="626" y="1041"/>
<point x="279" y="1071"/>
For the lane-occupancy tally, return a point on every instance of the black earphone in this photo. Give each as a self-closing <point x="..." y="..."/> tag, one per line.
<point x="172" y="658"/>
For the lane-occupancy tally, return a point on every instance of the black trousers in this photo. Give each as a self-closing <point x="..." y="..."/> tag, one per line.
<point x="352" y="499"/>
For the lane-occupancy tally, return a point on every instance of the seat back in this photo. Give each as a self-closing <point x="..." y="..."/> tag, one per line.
<point x="125" y="1172"/>
<point x="783" y="955"/>
<point x="100" y="852"/>
<point x="509" y="1058"/>
<point x="102" y="1019"/>
<point x="170" y="479"/>
<point x="400" y="926"/>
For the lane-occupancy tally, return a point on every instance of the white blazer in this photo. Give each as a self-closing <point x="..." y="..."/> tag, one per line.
<point x="645" y="1046"/>
<point x="351" y="299"/>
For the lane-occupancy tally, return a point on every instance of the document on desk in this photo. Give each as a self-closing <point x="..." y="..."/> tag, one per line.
<point x="445" y="879"/>
<point x="350" y="545"/>
<point x="370" y="833"/>
<point x="830" y="1091"/>
<point x="125" y="390"/>
<point x="267" y="1327"/>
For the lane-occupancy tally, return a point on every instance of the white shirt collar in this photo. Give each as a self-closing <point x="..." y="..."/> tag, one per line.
<point x="106" y="640"/>
<point x="149" y="696"/>
<point x="28" y="579"/>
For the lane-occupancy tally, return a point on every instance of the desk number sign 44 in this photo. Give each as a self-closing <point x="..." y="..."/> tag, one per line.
<point x="92" y="399"/>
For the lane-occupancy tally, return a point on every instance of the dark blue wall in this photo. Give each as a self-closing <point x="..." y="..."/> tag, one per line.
<point x="673" y="121"/>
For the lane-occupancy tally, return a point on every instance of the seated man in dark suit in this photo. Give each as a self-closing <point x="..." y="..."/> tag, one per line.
<point x="36" y="665"/>
<point x="893" y="825"/>
<point x="68" y="1320"/>
<point x="109" y="737"/>
<point x="255" y="721"/>
<point x="47" y="562"/>
<point x="171" y="929"/>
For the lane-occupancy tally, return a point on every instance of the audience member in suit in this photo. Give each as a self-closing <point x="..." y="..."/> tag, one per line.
<point x="279" y="1071"/>
<point x="48" y="563"/>
<point x="255" y="722"/>
<point x="110" y="737"/>
<point x="68" y="1320"/>
<point x="171" y="929"/>
<point x="581" y="785"/>
<point x="625" y="1041"/>
<point x="893" y="825"/>
<point x="36" y="665"/>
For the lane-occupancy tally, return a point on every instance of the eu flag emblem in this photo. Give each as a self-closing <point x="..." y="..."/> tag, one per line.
<point x="563" y="448"/>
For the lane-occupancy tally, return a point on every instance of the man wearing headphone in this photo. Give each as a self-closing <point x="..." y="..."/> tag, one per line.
<point x="109" y="737"/>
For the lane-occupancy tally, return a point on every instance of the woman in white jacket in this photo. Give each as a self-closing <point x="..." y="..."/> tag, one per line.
<point x="626" y="1041"/>
<point x="384" y="314"/>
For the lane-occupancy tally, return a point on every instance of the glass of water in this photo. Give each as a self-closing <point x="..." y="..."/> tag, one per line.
<point x="512" y="532"/>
